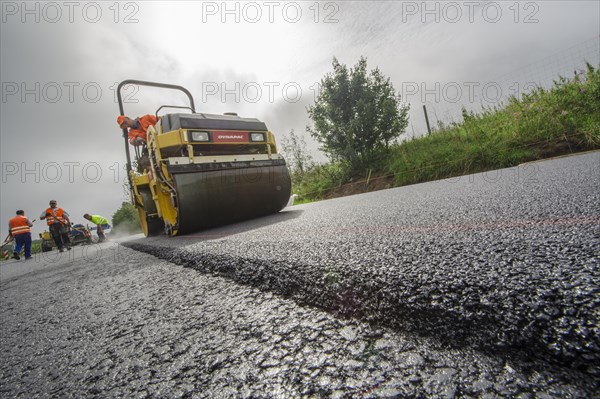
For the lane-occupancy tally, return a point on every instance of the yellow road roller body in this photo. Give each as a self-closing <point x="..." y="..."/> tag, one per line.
<point x="200" y="171"/>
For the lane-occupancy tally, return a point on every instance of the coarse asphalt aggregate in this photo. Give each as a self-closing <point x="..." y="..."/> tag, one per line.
<point x="480" y="286"/>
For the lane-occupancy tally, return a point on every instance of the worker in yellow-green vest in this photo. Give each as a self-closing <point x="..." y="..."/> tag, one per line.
<point x="99" y="221"/>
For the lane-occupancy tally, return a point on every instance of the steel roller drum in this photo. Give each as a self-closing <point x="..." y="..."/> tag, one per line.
<point x="212" y="195"/>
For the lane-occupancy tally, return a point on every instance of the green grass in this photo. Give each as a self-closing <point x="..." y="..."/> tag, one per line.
<point x="36" y="247"/>
<point x="318" y="181"/>
<point x="544" y="123"/>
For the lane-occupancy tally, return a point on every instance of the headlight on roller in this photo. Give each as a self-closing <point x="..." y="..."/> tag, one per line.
<point x="257" y="137"/>
<point x="199" y="136"/>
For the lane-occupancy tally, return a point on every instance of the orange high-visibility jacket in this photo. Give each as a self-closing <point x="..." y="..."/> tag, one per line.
<point x="59" y="216"/>
<point x="145" y="122"/>
<point x="19" y="225"/>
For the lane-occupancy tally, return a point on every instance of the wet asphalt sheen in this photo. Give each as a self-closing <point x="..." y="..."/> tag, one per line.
<point x="480" y="286"/>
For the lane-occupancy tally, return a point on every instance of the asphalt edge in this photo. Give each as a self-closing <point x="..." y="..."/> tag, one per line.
<point x="367" y="298"/>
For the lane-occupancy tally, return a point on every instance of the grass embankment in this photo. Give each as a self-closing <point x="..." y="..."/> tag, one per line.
<point x="561" y="120"/>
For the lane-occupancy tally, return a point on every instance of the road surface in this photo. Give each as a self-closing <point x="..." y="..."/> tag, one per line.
<point x="480" y="286"/>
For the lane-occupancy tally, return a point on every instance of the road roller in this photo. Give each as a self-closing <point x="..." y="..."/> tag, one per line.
<point x="197" y="170"/>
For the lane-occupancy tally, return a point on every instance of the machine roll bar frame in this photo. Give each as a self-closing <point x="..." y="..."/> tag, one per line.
<point x="122" y="110"/>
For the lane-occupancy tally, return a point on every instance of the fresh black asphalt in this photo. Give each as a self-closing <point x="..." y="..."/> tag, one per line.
<point x="480" y="286"/>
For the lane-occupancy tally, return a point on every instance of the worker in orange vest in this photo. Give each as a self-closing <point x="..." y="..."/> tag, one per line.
<point x="58" y="223"/>
<point x="20" y="230"/>
<point x="138" y="127"/>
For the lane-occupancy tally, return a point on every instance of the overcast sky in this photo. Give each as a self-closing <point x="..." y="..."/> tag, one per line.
<point x="61" y="61"/>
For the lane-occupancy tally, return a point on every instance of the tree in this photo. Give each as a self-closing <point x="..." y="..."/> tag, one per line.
<point x="296" y="154"/>
<point x="125" y="220"/>
<point x="356" y="115"/>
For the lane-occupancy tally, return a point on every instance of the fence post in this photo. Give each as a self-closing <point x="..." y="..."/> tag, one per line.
<point x="426" y="119"/>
